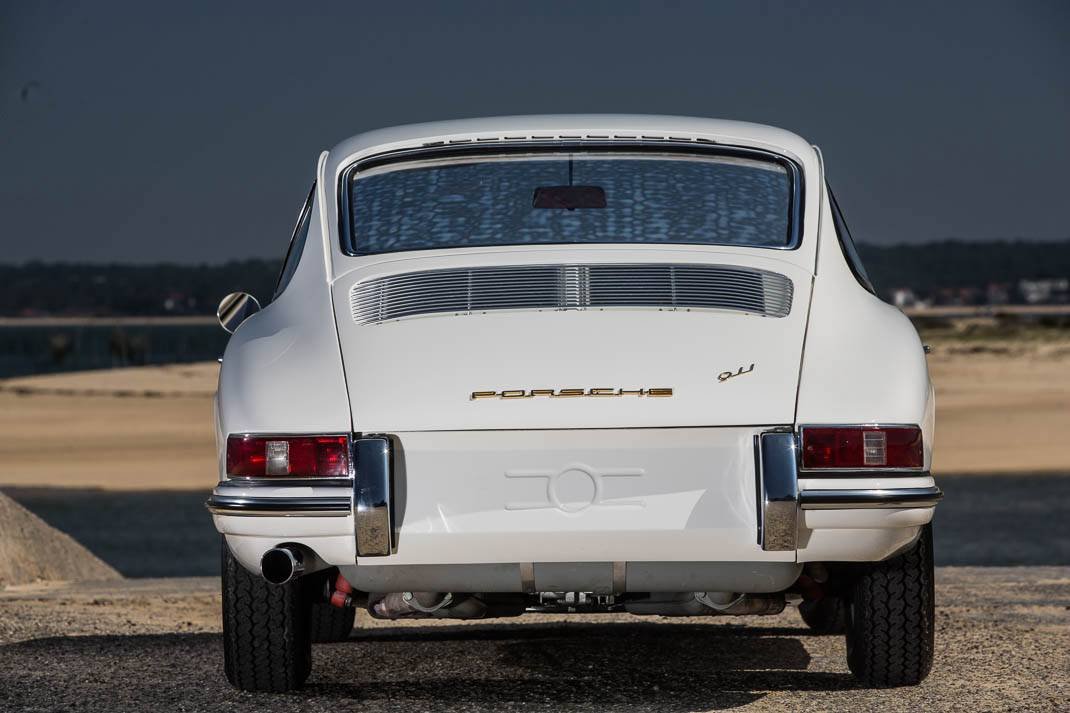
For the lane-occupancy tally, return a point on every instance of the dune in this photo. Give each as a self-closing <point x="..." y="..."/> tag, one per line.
<point x="140" y="428"/>
<point x="31" y="551"/>
<point x="154" y="381"/>
<point x="1002" y="406"/>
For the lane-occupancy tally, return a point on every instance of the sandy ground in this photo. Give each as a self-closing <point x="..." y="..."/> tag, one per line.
<point x="1003" y="644"/>
<point x="1002" y="407"/>
<point x="143" y="428"/>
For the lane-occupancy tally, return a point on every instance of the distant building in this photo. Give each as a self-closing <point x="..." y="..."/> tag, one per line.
<point x="903" y="297"/>
<point x="1045" y="291"/>
<point x="959" y="296"/>
<point x="179" y="303"/>
<point x="998" y="293"/>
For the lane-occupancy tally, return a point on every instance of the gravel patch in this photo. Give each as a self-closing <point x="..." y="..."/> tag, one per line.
<point x="1003" y="640"/>
<point x="32" y="550"/>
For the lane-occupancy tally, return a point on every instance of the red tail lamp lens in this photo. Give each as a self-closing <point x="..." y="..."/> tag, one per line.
<point x="862" y="447"/>
<point x="287" y="456"/>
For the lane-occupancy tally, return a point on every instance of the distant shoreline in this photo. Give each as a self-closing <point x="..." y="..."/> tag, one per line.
<point x="194" y="320"/>
<point x="988" y="311"/>
<point x="948" y="311"/>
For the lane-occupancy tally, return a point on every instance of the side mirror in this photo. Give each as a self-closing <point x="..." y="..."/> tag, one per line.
<point x="235" y="308"/>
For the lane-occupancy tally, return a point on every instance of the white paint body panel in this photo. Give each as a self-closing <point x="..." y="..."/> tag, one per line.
<point x="438" y="361"/>
<point x="302" y="365"/>
<point x="579" y="496"/>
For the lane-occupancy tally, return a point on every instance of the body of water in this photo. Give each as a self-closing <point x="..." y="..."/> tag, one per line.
<point x="54" y="345"/>
<point x="982" y="521"/>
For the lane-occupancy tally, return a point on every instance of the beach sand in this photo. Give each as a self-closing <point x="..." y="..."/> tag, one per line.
<point x="1002" y="407"/>
<point x="142" y="428"/>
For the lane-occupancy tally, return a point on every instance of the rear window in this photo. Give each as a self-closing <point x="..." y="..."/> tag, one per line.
<point x="562" y="197"/>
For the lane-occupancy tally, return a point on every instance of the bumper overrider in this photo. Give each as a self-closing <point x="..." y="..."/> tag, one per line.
<point x="369" y="497"/>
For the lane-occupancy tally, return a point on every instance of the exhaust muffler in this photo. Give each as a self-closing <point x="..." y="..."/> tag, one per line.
<point x="280" y="565"/>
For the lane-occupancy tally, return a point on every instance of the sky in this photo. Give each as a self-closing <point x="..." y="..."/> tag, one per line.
<point x="188" y="132"/>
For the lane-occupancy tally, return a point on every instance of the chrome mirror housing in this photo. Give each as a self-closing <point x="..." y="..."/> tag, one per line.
<point x="235" y="308"/>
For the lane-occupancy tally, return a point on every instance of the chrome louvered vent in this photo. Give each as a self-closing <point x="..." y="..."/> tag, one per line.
<point x="563" y="287"/>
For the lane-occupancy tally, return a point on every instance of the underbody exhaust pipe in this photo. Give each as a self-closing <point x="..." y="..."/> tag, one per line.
<point x="706" y="604"/>
<point x="443" y="605"/>
<point x="280" y="565"/>
<point x="760" y="604"/>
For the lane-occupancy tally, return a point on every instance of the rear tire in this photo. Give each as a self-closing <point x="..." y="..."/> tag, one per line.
<point x="891" y="618"/>
<point x="329" y="624"/>
<point x="827" y="615"/>
<point x="266" y="645"/>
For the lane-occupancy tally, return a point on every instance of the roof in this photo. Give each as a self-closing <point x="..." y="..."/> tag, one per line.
<point x="569" y="126"/>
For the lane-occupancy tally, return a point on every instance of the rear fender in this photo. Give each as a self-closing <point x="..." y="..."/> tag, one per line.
<point x="863" y="361"/>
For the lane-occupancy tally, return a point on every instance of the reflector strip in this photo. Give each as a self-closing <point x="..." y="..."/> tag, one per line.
<point x="874" y="447"/>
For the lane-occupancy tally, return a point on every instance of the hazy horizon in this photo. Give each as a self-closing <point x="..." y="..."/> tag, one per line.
<point x="138" y="133"/>
<point x="278" y="258"/>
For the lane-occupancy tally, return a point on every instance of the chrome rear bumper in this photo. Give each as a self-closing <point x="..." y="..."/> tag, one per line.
<point x="870" y="498"/>
<point x="332" y="506"/>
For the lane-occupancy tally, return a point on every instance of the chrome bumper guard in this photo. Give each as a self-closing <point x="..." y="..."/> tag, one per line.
<point x="373" y="496"/>
<point x="778" y="491"/>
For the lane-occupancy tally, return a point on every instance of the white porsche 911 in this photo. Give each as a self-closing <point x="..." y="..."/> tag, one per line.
<point x="572" y="364"/>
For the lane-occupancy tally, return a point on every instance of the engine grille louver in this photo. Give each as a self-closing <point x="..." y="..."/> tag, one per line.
<point x="564" y="287"/>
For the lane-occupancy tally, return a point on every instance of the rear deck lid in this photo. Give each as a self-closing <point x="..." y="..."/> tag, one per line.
<point x="609" y="339"/>
<point x="585" y="285"/>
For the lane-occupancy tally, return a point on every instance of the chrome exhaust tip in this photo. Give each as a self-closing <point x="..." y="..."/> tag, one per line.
<point x="280" y="565"/>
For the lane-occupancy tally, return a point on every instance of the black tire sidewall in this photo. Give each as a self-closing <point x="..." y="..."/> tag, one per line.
<point x="266" y="643"/>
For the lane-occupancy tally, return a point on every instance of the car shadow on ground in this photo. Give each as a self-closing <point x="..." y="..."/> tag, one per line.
<point x="633" y="667"/>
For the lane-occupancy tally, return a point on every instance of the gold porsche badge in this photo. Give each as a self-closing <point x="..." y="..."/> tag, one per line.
<point x="659" y="392"/>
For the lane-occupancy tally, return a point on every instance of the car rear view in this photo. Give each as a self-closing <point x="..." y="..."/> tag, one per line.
<point x="561" y="364"/>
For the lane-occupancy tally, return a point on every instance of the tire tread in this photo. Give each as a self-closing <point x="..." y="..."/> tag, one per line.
<point x="890" y="634"/>
<point x="266" y="644"/>
<point x="328" y="624"/>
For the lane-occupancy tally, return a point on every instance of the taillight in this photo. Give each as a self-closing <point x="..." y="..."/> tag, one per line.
<point x="294" y="456"/>
<point x="862" y="447"/>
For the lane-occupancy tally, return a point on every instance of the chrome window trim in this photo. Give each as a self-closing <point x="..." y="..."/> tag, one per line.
<point x="860" y="472"/>
<point x="304" y="222"/>
<point x="870" y="498"/>
<point x="847" y="244"/>
<point x="796" y="193"/>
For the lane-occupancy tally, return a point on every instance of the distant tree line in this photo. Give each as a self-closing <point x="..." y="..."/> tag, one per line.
<point x="39" y="289"/>
<point x="928" y="267"/>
